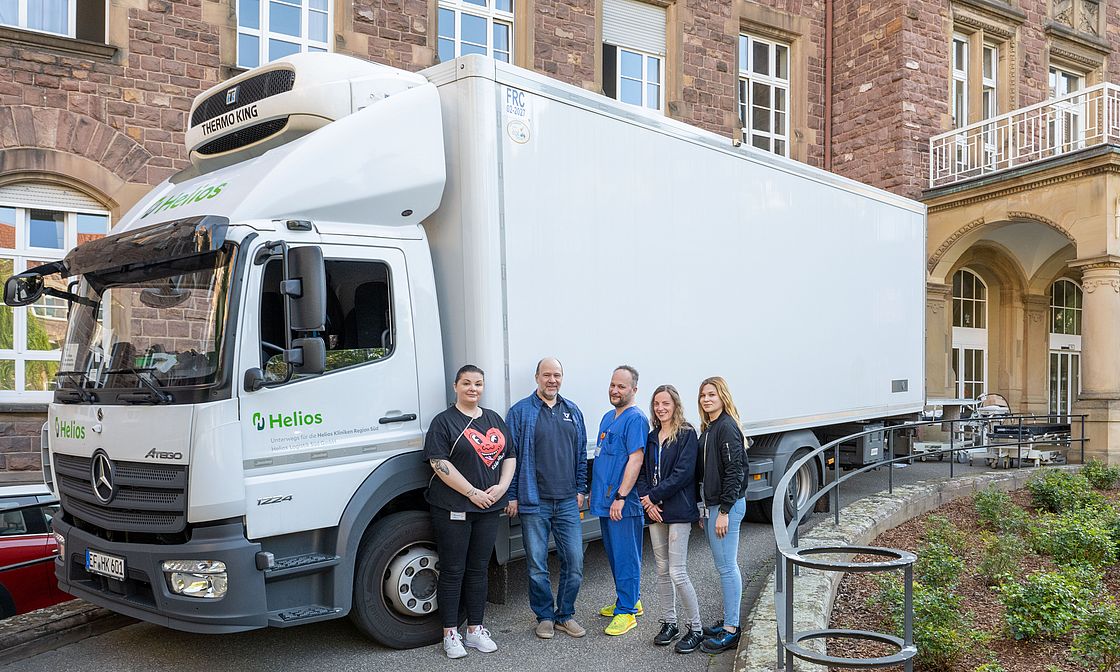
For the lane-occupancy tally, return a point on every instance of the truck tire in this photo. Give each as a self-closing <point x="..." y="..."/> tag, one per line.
<point x="7" y="606"/>
<point x="803" y="486"/>
<point x="395" y="582"/>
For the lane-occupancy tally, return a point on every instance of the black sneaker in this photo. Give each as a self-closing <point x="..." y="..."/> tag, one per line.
<point x="690" y="642"/>
<point x="720" y="643"/>
<point x="714" y="629"/>
<point x="668" y="633"/>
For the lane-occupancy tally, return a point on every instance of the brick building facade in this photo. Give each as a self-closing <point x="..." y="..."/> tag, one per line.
<point x="94" y="112"/>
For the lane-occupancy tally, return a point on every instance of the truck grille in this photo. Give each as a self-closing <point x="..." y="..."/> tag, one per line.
<point x="148" y="498"/>
<point x="249" y="91"/>
<point x="245" y="136"/>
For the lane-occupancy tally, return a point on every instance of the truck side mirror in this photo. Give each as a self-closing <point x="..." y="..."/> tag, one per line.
<point x="306" y="287"/>
<point x="23" y="289"/>
<point x="311" y="353"/>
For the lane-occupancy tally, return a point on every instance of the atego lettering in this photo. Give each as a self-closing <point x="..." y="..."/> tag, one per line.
<point x="158" y="455"/>
<point x="229" y="119"/>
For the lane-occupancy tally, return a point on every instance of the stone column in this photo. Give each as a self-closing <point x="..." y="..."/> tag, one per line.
<point x="1100" y="357"/>
<point x="939" y="341"/>
<point x="1036" y="354"/>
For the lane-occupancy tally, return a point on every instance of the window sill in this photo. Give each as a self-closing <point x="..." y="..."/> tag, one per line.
<point x="66" y="45"/>
<point x="25" y="407"/>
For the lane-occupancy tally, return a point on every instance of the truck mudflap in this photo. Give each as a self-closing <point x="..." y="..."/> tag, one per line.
<point x="144" y="593"/>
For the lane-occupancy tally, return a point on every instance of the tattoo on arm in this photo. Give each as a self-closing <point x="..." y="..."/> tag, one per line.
<point x="441" y="467"/>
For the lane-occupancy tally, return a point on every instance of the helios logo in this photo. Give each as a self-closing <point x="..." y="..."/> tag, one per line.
<point x="68" y="430"/>
<point x="280" y="420"/>
<point x="173" y="201"/>
<point x="154" y="454"/>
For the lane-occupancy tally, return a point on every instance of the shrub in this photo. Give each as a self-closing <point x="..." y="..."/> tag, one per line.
<point x="941" y="632"/>
<point x="1002" y="555"/>
<point x="990" y="667"/>
<point x="940" y="531"/>
<point x="1096" y="644"/>
<point x="938" y="566"/>
<point x="1059" y="491"/>
<point x="992" y="506"/>
<point x="1076" y="537"/>
<point x="1046" y="605"/>
<point x="1101" y="476"/>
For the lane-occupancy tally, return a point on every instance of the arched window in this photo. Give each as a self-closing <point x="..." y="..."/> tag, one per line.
<point x="970" y="334"/>
<point x="39" y="223"/>
<point x="1065" y="344"/>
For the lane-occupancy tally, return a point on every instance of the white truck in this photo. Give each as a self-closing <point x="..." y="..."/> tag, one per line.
<point x="254" y="353"/>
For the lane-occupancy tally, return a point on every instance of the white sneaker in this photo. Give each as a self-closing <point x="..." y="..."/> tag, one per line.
<point x="480" y="639"/>
<point x="453" y="646"/>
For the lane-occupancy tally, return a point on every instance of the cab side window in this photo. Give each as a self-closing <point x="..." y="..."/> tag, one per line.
<point x="359" y="326"/>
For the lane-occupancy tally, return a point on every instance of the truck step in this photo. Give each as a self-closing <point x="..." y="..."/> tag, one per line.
<point x="297" y="565"/>
<point x="300" y="615"/>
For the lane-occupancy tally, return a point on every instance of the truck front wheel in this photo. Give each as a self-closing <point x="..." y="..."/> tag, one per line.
<point x="395" y="582"/>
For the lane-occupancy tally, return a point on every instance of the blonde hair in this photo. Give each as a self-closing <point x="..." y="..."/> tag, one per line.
<point x="724" y="394"/>
<point x="677" y="423"/>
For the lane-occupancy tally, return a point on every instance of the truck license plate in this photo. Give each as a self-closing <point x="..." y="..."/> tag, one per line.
<point x="105" y="565"/>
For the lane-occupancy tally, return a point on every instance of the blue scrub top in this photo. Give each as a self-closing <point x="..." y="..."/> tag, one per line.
<point x="618" y="438"/>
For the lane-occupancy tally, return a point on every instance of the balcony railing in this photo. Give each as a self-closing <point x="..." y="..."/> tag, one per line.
<point x="1051" y="128"/>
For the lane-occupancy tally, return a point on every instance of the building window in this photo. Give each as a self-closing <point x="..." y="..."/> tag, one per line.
<point x="634" y="53"/>
<point x="764" y="93"/>
<point x="46" y="16"/>
<point x="959" y="106"/>
<point x="1065" y="125"/>
<point x="1065" y="345"/>
<point x="271" y="29"/>
<point x="970" y="334"/>
<point x="32" y="234"/>
<point x="475" y="27"/>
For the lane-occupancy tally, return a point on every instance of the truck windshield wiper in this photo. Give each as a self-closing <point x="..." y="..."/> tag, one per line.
<point x="78" y="393"/>
<point x="156" y="395"/>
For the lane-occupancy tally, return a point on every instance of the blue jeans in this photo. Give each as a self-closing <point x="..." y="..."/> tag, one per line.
<point x="561" y="517"/>
<point x="725" y="553"/>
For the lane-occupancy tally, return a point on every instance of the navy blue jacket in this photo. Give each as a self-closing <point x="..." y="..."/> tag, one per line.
<point x="522" y="422"/>
<point x="668" y="476"/>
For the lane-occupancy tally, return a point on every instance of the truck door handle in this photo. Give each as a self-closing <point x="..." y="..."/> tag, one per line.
<point x="407" y="417"/>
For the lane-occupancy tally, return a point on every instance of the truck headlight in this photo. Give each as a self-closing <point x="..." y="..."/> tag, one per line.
<point x="205" y="579"/>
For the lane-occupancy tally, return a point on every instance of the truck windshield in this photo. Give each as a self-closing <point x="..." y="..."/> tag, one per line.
<point x="155" y="327"/>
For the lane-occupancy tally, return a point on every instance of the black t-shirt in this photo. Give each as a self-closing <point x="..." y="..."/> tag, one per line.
<point x="476" y="448"/>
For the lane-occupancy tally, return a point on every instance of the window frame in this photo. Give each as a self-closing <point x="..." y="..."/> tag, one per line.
<point x="490" y="13"/>
<point x="389" y="288"/>
<point x="264" y="34"/>
<point x="747" y="77"/>
<point x="23" y="257"/>
<point x="71" y="20"/>
<point x="971" y="341"/>
<point x="646" y="56"/>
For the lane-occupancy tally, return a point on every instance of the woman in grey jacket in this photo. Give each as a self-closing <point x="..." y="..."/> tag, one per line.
<point x="722" y="468"/>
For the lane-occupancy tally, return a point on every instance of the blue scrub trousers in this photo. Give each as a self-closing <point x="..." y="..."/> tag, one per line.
<point x="622" y="541"/>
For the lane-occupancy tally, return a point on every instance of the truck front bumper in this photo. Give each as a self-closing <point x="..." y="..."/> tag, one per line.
<point x="144" y="594"/>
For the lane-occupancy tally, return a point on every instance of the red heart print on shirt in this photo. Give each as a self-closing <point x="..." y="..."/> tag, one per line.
<point x="489" y="446"/>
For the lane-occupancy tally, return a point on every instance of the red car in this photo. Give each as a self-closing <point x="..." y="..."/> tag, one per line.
<point x="27" y="550"/>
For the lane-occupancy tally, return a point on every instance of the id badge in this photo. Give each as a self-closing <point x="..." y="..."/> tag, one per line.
<point x="458" y="515"/>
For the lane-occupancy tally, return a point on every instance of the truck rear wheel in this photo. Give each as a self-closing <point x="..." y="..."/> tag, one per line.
<point x="804" y="485"/>
<point x="395" y="582"/>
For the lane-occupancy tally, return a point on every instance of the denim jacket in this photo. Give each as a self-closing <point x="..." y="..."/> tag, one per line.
<point x="522" y="422"/>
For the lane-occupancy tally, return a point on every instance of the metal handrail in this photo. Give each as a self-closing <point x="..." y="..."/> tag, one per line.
<point x="789" y="556"/>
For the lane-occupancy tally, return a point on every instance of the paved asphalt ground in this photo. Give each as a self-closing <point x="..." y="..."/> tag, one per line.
<point x="337" y="646"/>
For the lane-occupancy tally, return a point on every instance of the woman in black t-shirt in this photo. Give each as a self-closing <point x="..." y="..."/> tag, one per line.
<point x="474" y="461"/>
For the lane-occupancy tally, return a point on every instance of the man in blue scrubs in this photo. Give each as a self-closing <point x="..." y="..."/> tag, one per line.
<point x="618" y="460"/>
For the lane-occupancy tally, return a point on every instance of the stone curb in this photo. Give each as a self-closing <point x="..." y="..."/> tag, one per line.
<point x="860" y="522"/>
<point x="47" y="629"/>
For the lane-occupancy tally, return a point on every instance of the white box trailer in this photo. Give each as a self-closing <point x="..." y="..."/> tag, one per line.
<point x="236" y="444"/>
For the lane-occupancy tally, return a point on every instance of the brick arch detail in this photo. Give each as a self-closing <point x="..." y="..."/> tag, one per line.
<point x="1012" y="216"/>
<point x="73" y="133"/>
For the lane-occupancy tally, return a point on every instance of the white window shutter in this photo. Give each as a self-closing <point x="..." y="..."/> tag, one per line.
<point x="638" y="25"/>
<point x="47" y="196"/>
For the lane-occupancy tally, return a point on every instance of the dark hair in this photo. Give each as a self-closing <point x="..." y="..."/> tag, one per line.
<point x="468" y="368"/>
<point x="631" y="370"/>
<point x="538" y="371"/>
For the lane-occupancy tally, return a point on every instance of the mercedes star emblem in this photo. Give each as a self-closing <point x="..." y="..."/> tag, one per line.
<point x="101" y="476"/>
